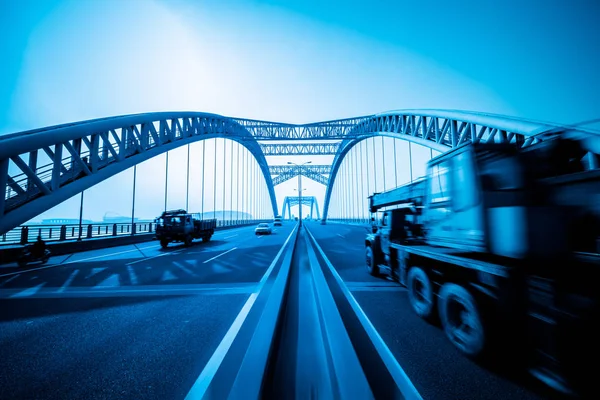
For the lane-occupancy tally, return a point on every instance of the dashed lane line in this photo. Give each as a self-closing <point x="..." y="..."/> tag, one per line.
<point x="217" y="256"/>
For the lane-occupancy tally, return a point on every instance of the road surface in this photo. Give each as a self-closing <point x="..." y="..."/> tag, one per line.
<point x="140" y="322"/>
<point x="126" y="322"/>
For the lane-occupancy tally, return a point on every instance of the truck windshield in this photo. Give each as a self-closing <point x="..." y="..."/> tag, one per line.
<point x="173" y="220"/>
<point x="439" y="190"/>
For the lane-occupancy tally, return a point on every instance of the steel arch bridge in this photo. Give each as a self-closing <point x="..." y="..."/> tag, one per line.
<point x="85" y="153"/>
<point x="291" y="201"/>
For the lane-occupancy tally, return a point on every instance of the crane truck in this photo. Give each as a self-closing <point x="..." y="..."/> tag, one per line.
<point x="499" y="245"/>
<point x="181" y="226"/>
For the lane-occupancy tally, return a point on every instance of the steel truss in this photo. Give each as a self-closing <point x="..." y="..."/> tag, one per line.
<point x="300" y="149"/>
<point x="290" y="201"/>
<point x="286" y="172"/>
<point x="83" y="154"/>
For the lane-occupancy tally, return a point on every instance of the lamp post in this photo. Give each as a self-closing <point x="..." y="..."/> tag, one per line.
<point x="299" y="190"/>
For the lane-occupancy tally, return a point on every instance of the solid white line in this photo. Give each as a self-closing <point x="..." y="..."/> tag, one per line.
<point x="9" y="279"/>
<point x="259" y="236"/>
<point x="132" y="276"/>
<point x="149" y="247"/>
<point x="340" y="236"/>
<point x="148" y="258"/>
<point x="102" y="256"/>
<point x="68" y="282"/>
<point x="130" y="291"/>
<point x="210" y="259"/>
<point x="30" y="270"/>
<point x="199" y="388"/>
<point x="84" y="259"/>
<point x="227" y="237"/>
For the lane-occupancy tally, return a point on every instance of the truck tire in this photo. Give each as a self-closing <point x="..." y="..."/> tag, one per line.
<point x="372" y="267"/>
<point x="206" y="238"/>
<point x="188" y="240"/>
<point x="420" y="293"/>
<point x="164" y="243"/>
<point x="461" y="320"/>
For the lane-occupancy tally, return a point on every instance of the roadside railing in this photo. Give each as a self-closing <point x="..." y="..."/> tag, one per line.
<point x="349" y="220"/>
<point x="59" y="233"/>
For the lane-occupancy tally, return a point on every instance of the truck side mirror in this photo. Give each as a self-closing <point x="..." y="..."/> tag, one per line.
<point x="374" y="228"/>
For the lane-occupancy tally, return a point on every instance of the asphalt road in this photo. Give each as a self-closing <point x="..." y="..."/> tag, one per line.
<point x="435" y="367"/>
<point x="138" y="321"/>
<point x="126" y="322"/>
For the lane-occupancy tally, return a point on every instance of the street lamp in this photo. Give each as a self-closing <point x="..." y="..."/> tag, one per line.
<point x="299" y="190"/>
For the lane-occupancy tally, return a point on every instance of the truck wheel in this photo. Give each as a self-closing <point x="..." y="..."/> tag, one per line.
<point x="164" y="244"/>
<point x="461" y="320"/>
<point x="420" y="293"/>
<point x="188" y="240"/>
<point x="372" y="268"/>
<point x="206" y="238"/>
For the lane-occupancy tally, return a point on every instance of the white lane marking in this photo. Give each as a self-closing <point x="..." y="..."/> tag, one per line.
<point x="132" y="276"/>
<point x="29" y="270"/>
<point x="9" y="279"/>
<point x="149" y="290"/>
<point x="184" y="269"/>
<point x="210" y="259"/>
<point x="199" y="388"/>
<point x="110" y="254"/>
<point x="259" y="236"/>
<point x="149" y="247"/>
<point x="28" y="292"/>
<point x="102" y="256"/>
<point x="148" y="258"/>
<point x="228" y="237"/>
<point x="68" y="281"/>
<point x="340" y="236"/>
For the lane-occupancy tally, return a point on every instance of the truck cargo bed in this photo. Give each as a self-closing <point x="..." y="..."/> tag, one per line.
<point x="454" y="256"/>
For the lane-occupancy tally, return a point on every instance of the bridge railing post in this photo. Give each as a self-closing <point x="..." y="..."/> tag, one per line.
<point x="63" y="233"/>
<point x="24" y="235"/>
<point x="114" y="230"/>
<point x="133" y="228"/>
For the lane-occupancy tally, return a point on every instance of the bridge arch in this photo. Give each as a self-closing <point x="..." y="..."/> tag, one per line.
<point x="138" y="138"/>
<point x="440" y="130"/>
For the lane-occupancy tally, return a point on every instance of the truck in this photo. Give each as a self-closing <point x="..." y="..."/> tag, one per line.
<point x="499" y="245"/>
<point x="277" y="220"/>
<point x="181" y="226"/>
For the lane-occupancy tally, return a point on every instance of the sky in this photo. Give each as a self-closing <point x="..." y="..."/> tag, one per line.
<point x="304" y="61"/>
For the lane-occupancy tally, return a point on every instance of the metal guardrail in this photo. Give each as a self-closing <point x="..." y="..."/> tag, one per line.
<point x="349" y="220"/>
<point x="301" y="334"/>
<point x="59" y="233"/>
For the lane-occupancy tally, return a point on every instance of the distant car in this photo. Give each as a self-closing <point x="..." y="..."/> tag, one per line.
<point x="277" y="222"/>
<point x="263" y="229"/>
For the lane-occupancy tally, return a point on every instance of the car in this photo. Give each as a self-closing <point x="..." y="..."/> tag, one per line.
<point x="277" y="222"/>
<point x="263" y="229"/>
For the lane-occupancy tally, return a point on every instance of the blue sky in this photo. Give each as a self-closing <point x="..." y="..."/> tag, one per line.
<point x="304" y="61"/>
